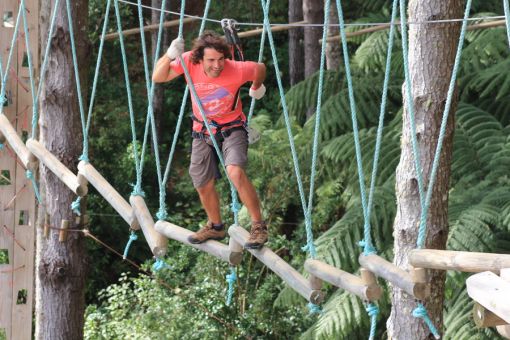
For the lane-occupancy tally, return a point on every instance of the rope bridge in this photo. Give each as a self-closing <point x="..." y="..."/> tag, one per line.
<point x="137" y="215"/>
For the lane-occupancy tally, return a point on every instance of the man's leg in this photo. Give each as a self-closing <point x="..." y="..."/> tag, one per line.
<point x="246" y="191"/>
<point x="210" y="201"/>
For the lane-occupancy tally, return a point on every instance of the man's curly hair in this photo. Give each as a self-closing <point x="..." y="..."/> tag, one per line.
<point x="208" y="39"/>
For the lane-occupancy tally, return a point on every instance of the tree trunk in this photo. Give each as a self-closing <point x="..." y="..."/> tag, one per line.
<point x="61" y="267"/>
<point x="313" y="13"/>
<point x="158" y="98"/>
<point x="296" y="56"/>
<point x="333" y="50"/>
<point x="431" y="55"/>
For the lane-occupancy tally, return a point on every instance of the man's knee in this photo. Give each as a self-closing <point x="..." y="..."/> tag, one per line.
<point x="206" y="188"/>
<point x="236" y="174"/>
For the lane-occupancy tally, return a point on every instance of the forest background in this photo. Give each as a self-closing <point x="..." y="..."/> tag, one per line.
<point x="126" y="304"/>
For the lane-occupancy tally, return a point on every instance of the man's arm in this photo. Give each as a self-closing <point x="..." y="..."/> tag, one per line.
<point x="163" y="71"/>
<point x="260" y="76"/>
<point x="257" y="89"/>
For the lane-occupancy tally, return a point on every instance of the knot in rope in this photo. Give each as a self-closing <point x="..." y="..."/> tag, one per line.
<point x="162" y="214"/>
<point x="133" y="237"/>
<point x="3" y="100"/>
<point x="2" y="146"/>
<point x="372" y="309"/>
<point x="75" y="206"/>
<point x="368" y="249"/>
<point x="231" y="280"/>
<point x="137" y="190"/>
<point x="310" y="247"/>
<point x="160" y="264"/>
<point x="30" y="176"/>
<point x="314" y="309"/>
<point x="84" y="158"/>
<point x="421" y="312"/>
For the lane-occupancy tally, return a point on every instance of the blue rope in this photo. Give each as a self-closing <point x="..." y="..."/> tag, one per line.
<point x="314" y="309"/>
<point x="133" y="237"/>
<point x="261" y="55"/>
<point x="2" y="146"/>
<point x="30" y="176"/>
<point x="9" y="60"/>
<point x="421" y="312"/>
<point x="231" y="280"/>
<point x="506" y="8"/>
<point x="310" y="246"/>
<point x="75" y="206"/>
<point x="372" y="311"/>
<point x="159" y="265"/>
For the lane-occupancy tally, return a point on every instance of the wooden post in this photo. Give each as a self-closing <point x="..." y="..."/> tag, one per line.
<point x="212" y="247"/>
<point x="281" y="268"/>
<point x="366" y="287"/>
<point x="236" y="250"/>
<point x="62" y="233"/>
<point x="492" y="292"/>
<point x="109" y="193"/>
<point x="46" y="230"/>
<point x="458" y="260"/>
<point x="485" y="318"/>
<point x="399" y="277"/>
<point x="12" y="137"/>
<point x="59" y="169"/>
<point x="157" y="242"/>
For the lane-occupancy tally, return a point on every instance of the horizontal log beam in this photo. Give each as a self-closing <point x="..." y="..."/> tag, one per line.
<point x="398" y="277"/>
<point x="109" y="193"/>
<point x="10" y="135"/>
<point x="59" y="169"/>
<point x="157" y="242"/>
<point x="212" y="247"/>
<point x="485" y="318"/>
<point x="281" y="268"/>
<point x="344" y="280"/>
<point x="492" y="292"/>
<point x="483" y="25"/>
<point x="277" y="28"/>
<point x="458" y="260"/>
<point x="148" y="28"/>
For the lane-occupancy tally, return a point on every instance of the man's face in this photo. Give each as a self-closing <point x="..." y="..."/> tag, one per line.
<point x="213" y="62"/>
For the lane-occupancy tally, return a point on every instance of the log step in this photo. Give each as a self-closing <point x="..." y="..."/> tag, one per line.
<point x="59" y="169"/>
<point x="365" y="290"/>
<point x="11" y="136"/>
<point x="395" y="275"/>
<point x="109" y="194"/>
<point x="157" y="242"/>
<point x="458" y="260"/>
<point x="281" y="268"/>
<point x="492" y="292"/>
<point x="215" y="248"/>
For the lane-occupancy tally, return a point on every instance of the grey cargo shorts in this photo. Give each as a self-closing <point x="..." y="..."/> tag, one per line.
<point x="204" y="160"/>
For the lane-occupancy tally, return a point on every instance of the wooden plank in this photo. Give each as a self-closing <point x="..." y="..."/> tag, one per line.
<point x="458" y="260"/>
<point x="24" y="204"/>
<point x="398" y="277"/>
<point x="281" y="268"/>
<point x="109" y="194"/>
<point x="157" y="242"/>
<point x="16" y="143"/>
<point x="148" y="28"/>
<point x="212" y="247"/>
<point x="492" y="292"/>
<point x="485" y="318"/>
<point x="504" y="331"/>
<point x="344" y="280"/>
<point x="59" y="169"/>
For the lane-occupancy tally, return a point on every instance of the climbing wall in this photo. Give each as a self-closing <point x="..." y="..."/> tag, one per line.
<point x="17" y="201"/>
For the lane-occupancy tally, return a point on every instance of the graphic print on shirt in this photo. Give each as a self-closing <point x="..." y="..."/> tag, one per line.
<point x="216" y="100"/>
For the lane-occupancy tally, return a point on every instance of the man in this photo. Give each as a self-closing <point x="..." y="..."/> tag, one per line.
<point x="217" y="80"/>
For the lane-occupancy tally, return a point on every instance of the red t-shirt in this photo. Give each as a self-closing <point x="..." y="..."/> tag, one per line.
<point x="217" y="94"/>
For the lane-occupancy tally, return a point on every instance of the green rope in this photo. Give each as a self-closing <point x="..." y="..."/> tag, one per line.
<point x="506" y="8"/>
<point x="310" y="246"/>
